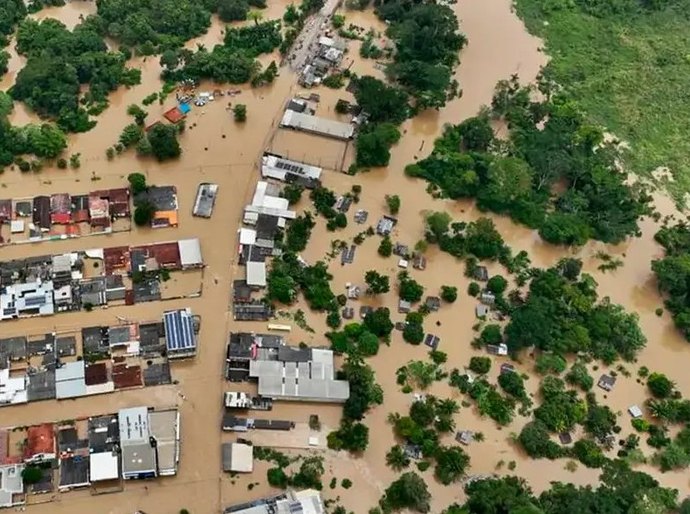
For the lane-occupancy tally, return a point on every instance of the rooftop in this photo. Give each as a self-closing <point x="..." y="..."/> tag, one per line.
<point x="317" y="125"/>
<point x="40" y="441"/>
<point x="290" y="502"/>
<point x="238" y="458"/>
<point x="205" y="199"/>
<point x="180" y="338"/>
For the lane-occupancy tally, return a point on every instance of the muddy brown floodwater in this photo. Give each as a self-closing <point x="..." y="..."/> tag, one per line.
<point x="218" y="150"/>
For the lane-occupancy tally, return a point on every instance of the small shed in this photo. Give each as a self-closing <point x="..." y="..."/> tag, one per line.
<point x="432" y="341"/>
<point x="404" y="306"/>
<point x="348" y="313"/>
<point x="238" y="457"/>
<point x="487" y="298"/>
<point x="365" y="310"/>
<point x="506" y="367"/>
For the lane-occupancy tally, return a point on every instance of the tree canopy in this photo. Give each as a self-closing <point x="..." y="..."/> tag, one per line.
<point x="59" y="62"/>
<point x="550" y="142"/>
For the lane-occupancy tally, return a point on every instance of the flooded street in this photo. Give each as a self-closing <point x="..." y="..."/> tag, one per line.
<point x="218" y="150"/>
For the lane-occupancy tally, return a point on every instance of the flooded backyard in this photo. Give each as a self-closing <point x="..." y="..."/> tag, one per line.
<point x="218" y="150"/>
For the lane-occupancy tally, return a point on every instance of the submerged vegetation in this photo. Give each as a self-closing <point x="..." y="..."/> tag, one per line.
<point x="673" y="273"/>
<point x="556" y="174"/>
<point x="60" y="62"/>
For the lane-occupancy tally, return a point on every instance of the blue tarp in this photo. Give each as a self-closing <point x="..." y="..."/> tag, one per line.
<point x="184" y="108"/>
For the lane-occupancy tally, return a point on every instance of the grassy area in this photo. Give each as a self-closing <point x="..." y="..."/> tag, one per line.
<point x="629" y="70"/>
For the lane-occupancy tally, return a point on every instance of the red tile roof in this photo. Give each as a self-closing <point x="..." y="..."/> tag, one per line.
<point x="39" y="439"/>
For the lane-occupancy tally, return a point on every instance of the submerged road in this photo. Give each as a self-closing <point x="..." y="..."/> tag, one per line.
<point x="305" y="44"/>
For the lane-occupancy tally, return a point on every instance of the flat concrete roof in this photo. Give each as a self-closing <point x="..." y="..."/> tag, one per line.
<point x="103" y="466"/>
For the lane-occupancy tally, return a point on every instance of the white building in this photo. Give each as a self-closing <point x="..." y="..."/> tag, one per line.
<point x="27" y="299"/>
<point x="12" y="389"/>
<point x="11" y="485"/>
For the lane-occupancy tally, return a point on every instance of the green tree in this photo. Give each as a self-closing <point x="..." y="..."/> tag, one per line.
<point x="397" y="459"/>
<point x="393" y="203"/>
<point x="408" y="288"/>
<point x="164" y="144"/>
<point x="232" y="10"/>
<point x="660" y="385"/>
<point x="536" y="441"/>
<point x="138" y="113"/>
<point x="376" y="283"/>
<point x="407" y="492"/>
<point x="144" y="213"/>
<point x="480" y="365"/>
<point x="449" y="293"/>
<point x="497" y="284"/>
<point x="451" y="464"/>
<point x="379" y="322"/>
<point x="293" y="193"/>
<point x="240" y="112"/>
<point x="131" y="135"/>
<point x="385" y="247"/>
<point x="137" y="183"/>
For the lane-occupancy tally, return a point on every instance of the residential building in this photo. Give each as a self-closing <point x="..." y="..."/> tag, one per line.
<point x="180" y="336"/>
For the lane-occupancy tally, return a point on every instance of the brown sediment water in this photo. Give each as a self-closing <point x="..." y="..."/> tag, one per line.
<point x="216" y="149"/>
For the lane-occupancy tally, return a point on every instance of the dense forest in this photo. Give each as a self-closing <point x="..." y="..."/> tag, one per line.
<point x="556" y="173"/>
<point x="427" y="41"/>
<point x="621" y="490"/>
<point x="624" y="61"/>
<point x="59" y="62"/>
<point x="234" y="61"/>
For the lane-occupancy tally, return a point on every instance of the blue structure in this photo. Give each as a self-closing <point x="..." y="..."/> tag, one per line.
<point x="180" y="338"/>
<point x="184" y="108"/>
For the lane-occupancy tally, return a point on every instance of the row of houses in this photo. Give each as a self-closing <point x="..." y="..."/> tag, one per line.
<point x="45" y="285"/>
<point x="134" y="443"/>
<point x="97" y="208"/>
<point x="119" y="357"/>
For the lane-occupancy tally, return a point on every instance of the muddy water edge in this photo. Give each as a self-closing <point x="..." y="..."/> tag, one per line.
<point x="218" y="150"/>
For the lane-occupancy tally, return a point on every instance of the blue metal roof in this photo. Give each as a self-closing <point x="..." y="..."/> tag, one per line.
<point x="179" y="330"/>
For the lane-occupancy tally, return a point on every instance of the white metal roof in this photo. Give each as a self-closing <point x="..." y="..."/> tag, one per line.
<point x="256" y="274"/>
<point x="315" y="124"/>
<point x="103" y="466"/>
<point x="190" y="252"/>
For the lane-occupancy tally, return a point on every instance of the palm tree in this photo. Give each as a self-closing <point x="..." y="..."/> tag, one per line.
<point x="397" y="459"/>
<point x="255" y="15"/>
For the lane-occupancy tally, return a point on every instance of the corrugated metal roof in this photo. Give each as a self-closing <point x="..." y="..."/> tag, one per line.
<point x="179" y="330"/>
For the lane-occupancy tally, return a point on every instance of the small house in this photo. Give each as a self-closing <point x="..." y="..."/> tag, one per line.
<point x="606" y="382"/>
<point x="432" y="341"/>
<point x="482" y="310"/>
<point x="403" y="264"/>
<point x="487" y="298"/>
<point x="400" y="250"/>
<point x="506" y="367"/>
<point x="364" y="311"/>
<point x="404" y="306"/>
<point x="565" y="438"/>
<point x="361" y="216"/>
<point x="497" y="349"/>
<point x="465" y="437"/>
<point x="347" y="313"/>
<point x="480" y="273"/>
<point x="385" y="225"/>
<point x="419" y="262"/>
<point x="433" y="303"/>
<point x="353" y="292"/>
